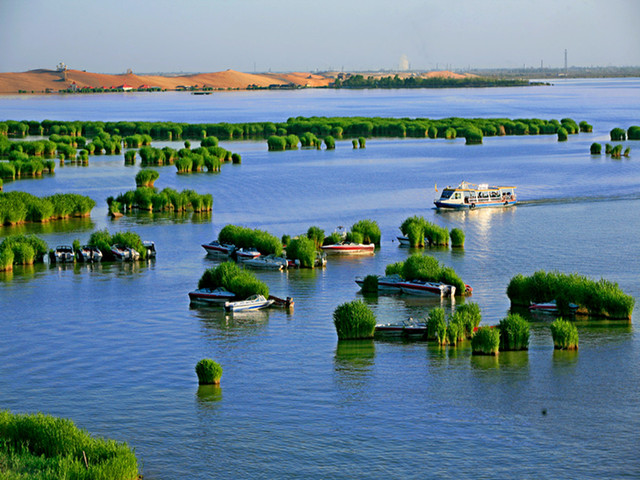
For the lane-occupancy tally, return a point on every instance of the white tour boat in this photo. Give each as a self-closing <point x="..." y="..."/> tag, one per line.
<point x="469" y="195"/>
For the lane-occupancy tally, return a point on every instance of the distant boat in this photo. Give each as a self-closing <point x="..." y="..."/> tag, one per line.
<point x="349" y="249"/>
<point x="282" y="302"/>
<point x="267" y="262"/>
<point x="124" y="254"/>
<point x="469" y="196"/>
<point x="254" y="302"/>
<point x="404" y="241"/>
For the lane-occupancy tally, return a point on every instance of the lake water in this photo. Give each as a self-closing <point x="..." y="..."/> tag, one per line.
<point x="114" y="347"/>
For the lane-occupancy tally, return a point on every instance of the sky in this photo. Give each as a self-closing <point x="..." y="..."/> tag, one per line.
<point x="153" y="36"/>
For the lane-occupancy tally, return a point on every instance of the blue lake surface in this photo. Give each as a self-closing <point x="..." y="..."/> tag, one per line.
<point x="114" y="347"/>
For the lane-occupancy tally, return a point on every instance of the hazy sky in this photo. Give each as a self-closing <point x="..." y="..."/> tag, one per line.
<point x="287" y="35"/>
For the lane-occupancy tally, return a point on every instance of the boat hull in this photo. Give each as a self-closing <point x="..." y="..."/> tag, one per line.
<point x="248" y="305"/>
<point x="471" y="206"/>
<point x="205" y="295"/>
<point x="349" y="249"/>
<point x="427" y="289"/>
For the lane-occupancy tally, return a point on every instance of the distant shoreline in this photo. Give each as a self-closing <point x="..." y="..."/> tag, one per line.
<point x="63" y="80"/>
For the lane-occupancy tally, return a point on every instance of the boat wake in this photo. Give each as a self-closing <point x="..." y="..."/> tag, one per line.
<point x="582" y="199"/>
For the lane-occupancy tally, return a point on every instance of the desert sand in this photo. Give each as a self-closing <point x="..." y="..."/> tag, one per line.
<point x="51" y="81"/>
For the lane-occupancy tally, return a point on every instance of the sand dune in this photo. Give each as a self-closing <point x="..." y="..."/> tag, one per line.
<point x="41" y="80"/>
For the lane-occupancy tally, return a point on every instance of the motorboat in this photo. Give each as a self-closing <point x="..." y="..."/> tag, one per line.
<point x="549" y="307"/>
<point x="268" y="262"/>
<point x="244" y="254"/>
<point x="254" y="302"/>
<point x="217" y="248"/>
<point x="207" y="295"/>
<point x="348" y="248"/>
<point x="422" y="287"/>
<point x="469" y="196"/>
<point x="386" y="284"/>
<point x="404" y="241"/>
<point x="124" y="254"/>
<point x="90" y="253"/>
<point x="406" y="328"/>
<point x="287" y="303"/>
<point x="150" y="247"/>
<point x="64" y="254"/>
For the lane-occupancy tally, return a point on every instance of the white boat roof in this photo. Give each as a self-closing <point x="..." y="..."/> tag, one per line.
<point x="475" y="186"/>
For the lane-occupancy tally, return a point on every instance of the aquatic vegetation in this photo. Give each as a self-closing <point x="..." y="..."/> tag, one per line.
<point x="596" y="148"/>
<point x="48" y="447"/>
<point x="370" y="284"/>
<point x="235" y="279"/>
<point x="633" y="132"/>
<point x="455" y="329"/>
<point x="563" y="135"/>
<point x="514" y="333"/>
<point x="419" y="230"/>
<point x="329" y="142"/>
<point x="486" y="341"/>
<point x="457" y="238"/>
<point x="565" y="335"/>
<point x="243" y="237"/>
<point x="21" y="250"/>
<point x="354" y="143"/>
<point x="303" y="249"/>
<point x="209" y="372"/>
<point x="437" y="326"/>
<point x="370" y="231"/>
<point x="596" y="298"/>
<point x="362" y="142"/>
<point x="276" y="143"/>
<point x="354" y="320"/>
<point x="618" y="135"/>
<point x="471" y="316"/>
<point x="585" y="127"/>
<point x="473" y="135"/>
<point x="18" y="207"/>
<point x="316" y="234"/>
<point x="104" y="241"/>
<point x="427" y="268"/>
<point x="146" y="177"/>
<point x="149" y="199"/>
<point x="394" y="268"/>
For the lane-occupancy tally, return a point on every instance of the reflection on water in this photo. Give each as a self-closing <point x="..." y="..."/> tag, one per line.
<point x="208" y="395"/>
<point x="354" y="356"/>
<point x="66" y="225"/>
<point x="485" y="362"/>
<point x="161" y="218"/>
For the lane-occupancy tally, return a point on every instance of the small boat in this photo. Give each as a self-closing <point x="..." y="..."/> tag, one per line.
<point x="217" y="248"/>
<point x="469" y="196"/>
<point x="346" y="248"/>
<point x="282" y="302"/>
<point x="422" y="287"/>
<point x="124" y="254"/>
<point x="254" y="302"/>
<point x="268" y="262"/>
<point x="90" y="253"/>
<point x="404" y="241"/>
<point x="151" y="248"/>
<point x="64" y="254"/>
<point x="388" y="283"/>
<point x="549" y="307"/>
<point x="406" y="328"/>
<point x="206" y="295"/>
<point x="244" y="254"/>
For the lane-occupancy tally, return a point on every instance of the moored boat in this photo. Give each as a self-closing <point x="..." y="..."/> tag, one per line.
<point x="422" y="287"/>
<point x="347" y="248"/>
<point x="267" y="262"/>
<point x="404" y="241"/>
<point x="90" y="253"/>
<point x="206" y="295"/>
<point x="124" y="254"/>
<point x="254" y="302"/>
<point x="217" y="248"/>
<point x="469" y="196"/>
<point x="282" y="302"/>
<point x="244" y="254"/>
<point x="406" y="328"/>
<point x="388" y="283"/>
<point x="150" y="247"/>
<point x="549" y="307"/>
<point x="64" y="254"/>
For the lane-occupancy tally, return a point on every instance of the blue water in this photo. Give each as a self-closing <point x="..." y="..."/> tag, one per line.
<point x="114" y="346"/>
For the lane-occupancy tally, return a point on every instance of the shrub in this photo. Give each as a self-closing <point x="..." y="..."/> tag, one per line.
<point x="514" y="333"/>
<point x="596" y="149"/>
<point x="236" y="158"/>
<point x="486" y="341"/>
<point x="303" y="249"/>
<point x="394" y="269"/>
<point x="369" y="230"/>
<point x="276" y="143"/>
<point x="243" y="237"/>
<point x="58" y="449"/>
<point x="563" y="135"/>
<point x="317" y="235"/>
<point x="457" y="238"/>
<point x="565" y="335"/>
<point x="330" y="142"/>
<point x="354" y="320"/>
<point x="354" y="142"/>
<point x="633" y="133"/>
<point x="235" y="279"/>
<point x="333" y="239"/>
<point x="362" y="142"/>
<point x="209" y="372"/>
<point x="585" y="127"/>
<point x="473" y="136"/>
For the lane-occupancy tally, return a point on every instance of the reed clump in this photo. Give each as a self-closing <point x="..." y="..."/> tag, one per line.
<point x="235" y="279"/>
<point x="370" y="231"/>
<point x="146" y="177"/>
<point x="48" y="447"/>
<point x="354" y="320"/>
<point x="565" y="335"/>
<point x="21" y="250"/>
<point x="304" y="250"/>
<point x="427" y="268"/>
<point x="457" y="238"/>
<point x="370" y="284"/>
<point x="572" y="292"/>
<point x="243" y="237"/>
<point x="514" y="333"/>
<point x="165" y="200"/>
<point x="485" y="341"/>
<point x="437" y="326"/>
<point x="421" y="232"/>
<point x="209" y="372"/>
<point x="19" y="207"/>
<point x="104" y="241"/>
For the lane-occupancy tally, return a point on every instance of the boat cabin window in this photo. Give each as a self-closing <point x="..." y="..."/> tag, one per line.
<point x="457" y="196"/>
<point x="446" y="194"/>
<point x="495" y="194"/>
<point x="483" y="194"/>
